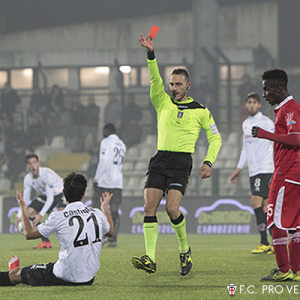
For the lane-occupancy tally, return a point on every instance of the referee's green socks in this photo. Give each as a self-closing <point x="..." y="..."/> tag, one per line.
<point x="150" y="235"/>
<point x="179" y="227"/>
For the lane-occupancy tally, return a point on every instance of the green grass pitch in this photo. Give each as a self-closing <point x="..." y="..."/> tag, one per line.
<point x="217" y="261"/>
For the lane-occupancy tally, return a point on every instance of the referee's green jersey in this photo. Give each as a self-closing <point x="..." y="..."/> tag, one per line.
<point x="179" y="123"/>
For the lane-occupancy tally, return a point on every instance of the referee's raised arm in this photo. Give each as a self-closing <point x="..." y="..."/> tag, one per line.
<point x="157" y="89"/>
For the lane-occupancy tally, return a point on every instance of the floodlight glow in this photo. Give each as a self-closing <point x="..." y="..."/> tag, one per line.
<point x="103" y="70"/>
<point x="27" y="72"/>
<point x="125" y="69"/>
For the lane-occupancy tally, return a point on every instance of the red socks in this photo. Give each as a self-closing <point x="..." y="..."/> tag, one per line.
<point x="285" y="261"/>
<point x="294" y="251"/>
<point x="280" y="247"/>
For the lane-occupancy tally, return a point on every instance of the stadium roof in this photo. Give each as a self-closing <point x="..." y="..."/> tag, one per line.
<point x="16" y="15"/>
<point x="20" y="15"/>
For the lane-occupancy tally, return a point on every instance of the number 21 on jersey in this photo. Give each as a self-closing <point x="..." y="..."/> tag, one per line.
<point x="85" y="241"/>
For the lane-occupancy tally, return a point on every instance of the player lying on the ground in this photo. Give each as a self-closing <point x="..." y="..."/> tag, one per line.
<point x="258" y="154"/>
<point x="179" y="121"/>
<point x="80" y="231"/>
<point x="284" y="197"/>
<point x="49" y="185"/>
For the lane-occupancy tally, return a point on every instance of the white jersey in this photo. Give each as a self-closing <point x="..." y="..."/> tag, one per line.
<point x="111" y="157"/>
<point x="257" y="153"/>
<point x="80" y="231"/>
<point x="48" y="183"/>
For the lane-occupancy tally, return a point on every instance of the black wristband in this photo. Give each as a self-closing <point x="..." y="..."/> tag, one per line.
<point x="208" y="163"/>
<point x="150" y="55"/>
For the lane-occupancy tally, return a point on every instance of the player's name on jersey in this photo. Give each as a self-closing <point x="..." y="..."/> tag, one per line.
<point x="78" y="211"/>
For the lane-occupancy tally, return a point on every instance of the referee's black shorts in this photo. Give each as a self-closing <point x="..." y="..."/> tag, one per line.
<point x="169" y="171"/>
<point x="42" y="275"/>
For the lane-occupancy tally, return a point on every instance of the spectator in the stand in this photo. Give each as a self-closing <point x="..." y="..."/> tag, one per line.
<point x="113" y="112"/>
<point x="91" y="123"/>
<point x="39" y="102"/>
<point x="132" y="133"/>
<point x="55" y="122"/>
<point x="247" y="86"/>
<point x="6" y="125"/>
<point x="67" y="119"/>
<point x="2" y="149"/>
<point x="131" y="130"/>
<point x="15" y="151"/>
<point x="35" y="133"/>
<point x="56" y="96"/>
<point x="78" y="114"/>
<point x="9" y="100"/>
<point x="131" y="111"/>
<point x="203" y="92"/>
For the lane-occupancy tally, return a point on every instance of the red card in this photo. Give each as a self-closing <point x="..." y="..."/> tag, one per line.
<point x="153" y="31"/>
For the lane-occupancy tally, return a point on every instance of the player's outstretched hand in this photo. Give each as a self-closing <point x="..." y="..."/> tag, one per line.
<point x="205" y="171"/>
<point x="146" y="43"/>
<point x="235" y="175"/>
<point x="20" y="199"/>
<point x="254" y="131"/>
<point x="105" y="200"/>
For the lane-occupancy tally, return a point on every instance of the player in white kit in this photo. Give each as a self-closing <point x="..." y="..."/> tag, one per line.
<point x="109" y="176"/>
<point x="80" y="231"/>
<point x="258" y="154"/>
<point x="49" y="185"/>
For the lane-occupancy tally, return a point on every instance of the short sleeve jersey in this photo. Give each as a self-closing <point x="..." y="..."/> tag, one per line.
<point x="287" y="121"/>
<point x="109" y="172"/>
<point x="80" y="231"/>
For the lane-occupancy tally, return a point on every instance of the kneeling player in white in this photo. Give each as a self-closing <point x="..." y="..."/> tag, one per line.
<point x="49" y="185"/>
<point x="80" y="231"/>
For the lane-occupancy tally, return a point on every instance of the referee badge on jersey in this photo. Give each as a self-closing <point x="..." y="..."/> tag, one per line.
<point x="180" y="114"/>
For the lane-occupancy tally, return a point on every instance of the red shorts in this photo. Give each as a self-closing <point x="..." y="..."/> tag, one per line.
<point x="284" y="204"/>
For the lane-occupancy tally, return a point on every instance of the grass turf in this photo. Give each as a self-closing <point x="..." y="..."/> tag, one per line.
<point x="217" y="261"/>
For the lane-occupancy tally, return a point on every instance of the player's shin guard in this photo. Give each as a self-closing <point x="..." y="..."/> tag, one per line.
<point x="150" y="235"/>
<point x="280" y="247"/>
<point x="294" y="251"/>
<point x="4" y="279"/>
<point x="116" y="219"/>
<point x="179" y="227"/>
<point x="261" y="222"/>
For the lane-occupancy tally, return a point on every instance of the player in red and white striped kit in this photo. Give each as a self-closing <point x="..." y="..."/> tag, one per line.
<point x="284" y="196"/>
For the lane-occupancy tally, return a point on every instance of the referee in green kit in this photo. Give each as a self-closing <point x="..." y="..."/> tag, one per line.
<point x="179" y="121"/>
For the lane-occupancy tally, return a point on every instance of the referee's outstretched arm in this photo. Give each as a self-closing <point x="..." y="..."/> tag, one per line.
<point x="157" y="89"/>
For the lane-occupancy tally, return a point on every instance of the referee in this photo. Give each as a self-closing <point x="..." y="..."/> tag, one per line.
<point x="179" y="121"/>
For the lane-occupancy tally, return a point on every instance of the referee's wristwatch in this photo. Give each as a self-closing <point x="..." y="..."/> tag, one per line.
<point x="207" y="162"/>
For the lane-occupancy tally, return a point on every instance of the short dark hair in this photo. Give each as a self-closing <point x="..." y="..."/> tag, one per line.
<point x="277" y="76"/>
<point x="74" y="187"/>
<point x="29" y="156"/>
<point x="109" y="128"/>
<point x="181" y="71"/>
<point x="254" y="96"/>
